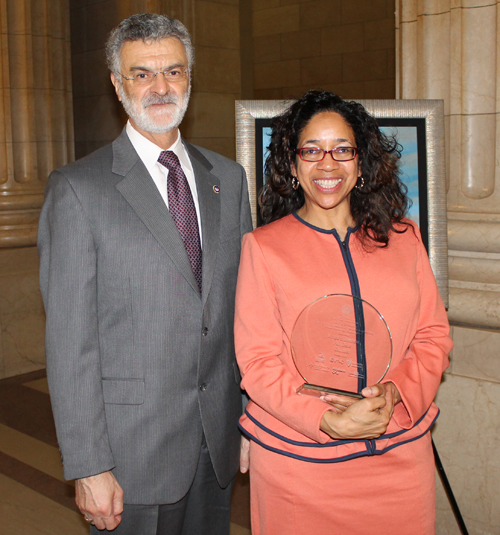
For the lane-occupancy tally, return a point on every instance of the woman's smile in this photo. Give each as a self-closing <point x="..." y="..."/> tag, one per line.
<point x="327" y="183"/>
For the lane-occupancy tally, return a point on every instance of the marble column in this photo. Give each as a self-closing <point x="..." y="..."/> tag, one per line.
<point x="448" y="49"/>
<point x="36" y="136"/>
<point x="36" y="117"/>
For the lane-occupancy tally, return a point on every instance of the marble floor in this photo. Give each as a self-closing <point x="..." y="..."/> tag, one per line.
<point x="34" y="498"/>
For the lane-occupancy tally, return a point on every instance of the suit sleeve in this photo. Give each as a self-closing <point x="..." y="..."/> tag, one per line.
<point x="68" y="260"/>
<point x="419" y="374"/>
<point x="262" y="351"/>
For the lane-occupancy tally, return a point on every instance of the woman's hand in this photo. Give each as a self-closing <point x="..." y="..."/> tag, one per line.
<point x="365" y="418"/>
<point x="341" y="403"/>
<point x="244" y="454"/>
<point x="378" y="390"/>
<point x="338" y="401"/>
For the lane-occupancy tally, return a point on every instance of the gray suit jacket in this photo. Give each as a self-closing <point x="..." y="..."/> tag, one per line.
<point x="139" y="363"/>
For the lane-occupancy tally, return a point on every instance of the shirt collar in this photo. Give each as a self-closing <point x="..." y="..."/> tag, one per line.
<point x="149" y="152"/>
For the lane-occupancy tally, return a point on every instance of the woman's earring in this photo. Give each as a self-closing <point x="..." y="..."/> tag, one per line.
<point x="295" y="183"/>
<point x="361" y="183"/>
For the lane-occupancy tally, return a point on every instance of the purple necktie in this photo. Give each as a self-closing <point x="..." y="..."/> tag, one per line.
<point x="182" y="209"/>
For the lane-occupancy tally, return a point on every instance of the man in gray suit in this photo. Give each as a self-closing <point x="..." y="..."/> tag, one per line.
<point x="139" y="246"/>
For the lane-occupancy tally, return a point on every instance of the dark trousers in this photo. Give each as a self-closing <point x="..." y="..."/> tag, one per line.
<point x="203" y="511"/>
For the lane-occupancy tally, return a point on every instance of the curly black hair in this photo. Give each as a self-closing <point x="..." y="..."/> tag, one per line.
<point x="377" y="205"/>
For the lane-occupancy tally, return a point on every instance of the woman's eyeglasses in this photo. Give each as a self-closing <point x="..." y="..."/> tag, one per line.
<point x="315" y="154"/>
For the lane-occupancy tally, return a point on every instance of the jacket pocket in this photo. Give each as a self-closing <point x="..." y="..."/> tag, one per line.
<point x="123" y="391"/>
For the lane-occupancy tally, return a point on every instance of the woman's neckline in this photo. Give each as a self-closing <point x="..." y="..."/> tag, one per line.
<point x="319" y="229"/>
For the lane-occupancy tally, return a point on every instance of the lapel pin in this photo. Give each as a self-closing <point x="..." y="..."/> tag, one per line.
<point x="216" y="189"/>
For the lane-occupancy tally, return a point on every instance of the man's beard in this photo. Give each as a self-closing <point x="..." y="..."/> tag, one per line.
<point x="165" y="121"/>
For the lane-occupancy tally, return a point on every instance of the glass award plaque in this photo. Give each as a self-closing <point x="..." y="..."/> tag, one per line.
<point x="340" y="344"/>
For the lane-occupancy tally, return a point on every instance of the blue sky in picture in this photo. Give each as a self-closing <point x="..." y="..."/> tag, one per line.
<point x="266" y="140"/>
<point x="407" y="138"/>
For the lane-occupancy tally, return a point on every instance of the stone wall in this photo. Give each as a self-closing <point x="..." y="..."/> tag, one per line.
<point x="344" y="47"/>
<point x="448" y="50"/>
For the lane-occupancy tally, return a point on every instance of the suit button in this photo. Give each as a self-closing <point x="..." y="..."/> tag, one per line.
<point x="203" y="387"/>
<point x="204" y="331"/>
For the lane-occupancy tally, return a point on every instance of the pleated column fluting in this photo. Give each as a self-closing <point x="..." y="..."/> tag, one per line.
<point x="36" y="115"/>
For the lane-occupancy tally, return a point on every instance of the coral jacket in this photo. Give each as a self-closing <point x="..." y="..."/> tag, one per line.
<point x="288" y="264"/>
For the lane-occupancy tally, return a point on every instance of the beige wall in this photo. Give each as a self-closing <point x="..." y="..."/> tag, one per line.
<point x="342" y="46"/>
<point x="22" y="318"/>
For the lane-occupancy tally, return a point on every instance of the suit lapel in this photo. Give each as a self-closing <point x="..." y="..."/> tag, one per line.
<point x="208" y="187"/>
<point x="139" y="190"/>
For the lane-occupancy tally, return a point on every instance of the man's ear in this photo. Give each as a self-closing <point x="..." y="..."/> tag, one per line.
<point x="116" y="83"/>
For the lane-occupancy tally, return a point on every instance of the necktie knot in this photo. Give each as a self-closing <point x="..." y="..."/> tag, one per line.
<point x="169" y="159"/>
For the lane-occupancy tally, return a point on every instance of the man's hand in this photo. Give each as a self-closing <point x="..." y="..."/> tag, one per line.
<point x="244" y="455"/>
<point x="100" y="499"/>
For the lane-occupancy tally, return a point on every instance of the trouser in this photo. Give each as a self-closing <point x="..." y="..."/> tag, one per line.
<point x="203" y="511"/>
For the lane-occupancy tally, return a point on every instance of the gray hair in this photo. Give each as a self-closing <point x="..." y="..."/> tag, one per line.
<point x="146" y="27"/>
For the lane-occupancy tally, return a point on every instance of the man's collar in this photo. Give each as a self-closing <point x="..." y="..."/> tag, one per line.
<point x="136" y="137"/>
<point x="149" y="151"/>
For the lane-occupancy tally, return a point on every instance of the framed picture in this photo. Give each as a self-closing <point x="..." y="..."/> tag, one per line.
<point x="418" y="125"/>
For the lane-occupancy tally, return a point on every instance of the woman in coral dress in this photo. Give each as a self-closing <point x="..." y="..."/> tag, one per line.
<point x="334" y="208"/>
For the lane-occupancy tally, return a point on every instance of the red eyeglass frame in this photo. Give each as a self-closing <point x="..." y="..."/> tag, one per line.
<point x="325" y="152"/>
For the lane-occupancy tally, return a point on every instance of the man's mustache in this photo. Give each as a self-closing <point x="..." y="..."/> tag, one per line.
<point x="154" y="98"/>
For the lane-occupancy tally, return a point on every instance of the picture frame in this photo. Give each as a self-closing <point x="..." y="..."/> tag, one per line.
<point x="419" y="122"/>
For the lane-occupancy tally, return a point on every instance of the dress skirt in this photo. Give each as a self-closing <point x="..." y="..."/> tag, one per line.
<point x="389" y="494"/>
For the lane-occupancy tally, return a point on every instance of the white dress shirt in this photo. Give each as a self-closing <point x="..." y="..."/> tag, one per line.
<point x="149" y="153"/>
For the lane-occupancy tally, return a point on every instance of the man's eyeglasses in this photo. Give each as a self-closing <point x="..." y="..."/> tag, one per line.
<point x="315" y="154"/>
<point x="147" y="77"/>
